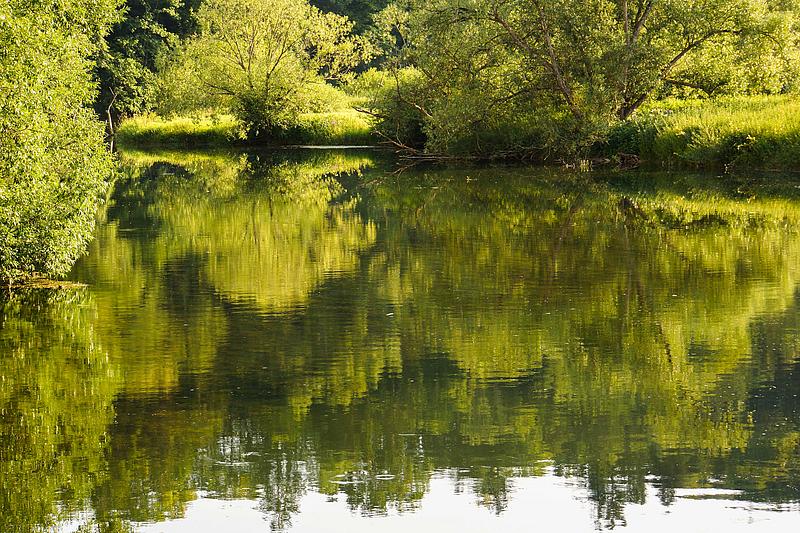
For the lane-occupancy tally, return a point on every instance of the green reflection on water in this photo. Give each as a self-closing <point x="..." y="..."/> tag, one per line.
<point x="265" y="325"/>
<point x="56" y="392"/>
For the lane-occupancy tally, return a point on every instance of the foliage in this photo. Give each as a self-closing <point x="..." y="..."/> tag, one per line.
<point x="54" y="165"/>
<point x="393" y="98"/>
<point x="313" y="129"/>
<point x="390" y="32"/>
<point x="127" y="64"/>
<point x="267" y="61"/>
<point x="747" y="132"/>
<point x="560" y="72"/>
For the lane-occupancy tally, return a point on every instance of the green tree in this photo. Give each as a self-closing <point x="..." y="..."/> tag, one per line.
<point x="54" y="165"/>
<point x="128" y="63"/>
<point x="267" y="61"/>
<point x="556" y="72"/>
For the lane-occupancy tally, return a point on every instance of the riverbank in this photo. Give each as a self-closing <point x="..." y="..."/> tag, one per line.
<point x="37" y="282"/>
<point x="345" y="127"/>
<point x="745" y="132"/>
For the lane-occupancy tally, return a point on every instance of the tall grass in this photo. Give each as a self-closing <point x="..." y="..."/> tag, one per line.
<point x="184" y="132"/>
<point x="745" y="132"/>
<point x="347" y="127"/>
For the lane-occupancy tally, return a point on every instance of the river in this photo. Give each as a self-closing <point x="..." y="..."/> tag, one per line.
<point x="321" y="341"/>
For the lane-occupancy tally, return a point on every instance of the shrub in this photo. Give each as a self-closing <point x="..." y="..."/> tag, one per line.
<point x="54" y="166"/>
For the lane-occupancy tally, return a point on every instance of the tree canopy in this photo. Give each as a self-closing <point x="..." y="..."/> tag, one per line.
<point x="561" y="71"/>
<point x="266" y="60"/>
<point x="130" y="58"/>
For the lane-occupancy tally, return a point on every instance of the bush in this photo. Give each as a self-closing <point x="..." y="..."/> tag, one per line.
<point x="411" y="111"/>
<point x="54" y="166"/>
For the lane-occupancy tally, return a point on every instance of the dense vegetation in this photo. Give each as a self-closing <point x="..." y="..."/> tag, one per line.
<point x="542" y="77"/>
<point x="538" y="79"/>
<point x="265" y="62"/>
<point x="728" y="132"/>
<point x="128" y="61"/>
<point x="54" y="166"/>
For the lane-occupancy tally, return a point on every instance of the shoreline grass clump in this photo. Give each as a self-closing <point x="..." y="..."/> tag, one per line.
<point x="346" y="127"/>
<point x="151" y="130"/>
<point x="337" y="128"/>
<point x="753" y="132"/>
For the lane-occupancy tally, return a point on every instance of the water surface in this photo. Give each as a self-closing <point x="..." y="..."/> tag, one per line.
<point x="305" y="341"/>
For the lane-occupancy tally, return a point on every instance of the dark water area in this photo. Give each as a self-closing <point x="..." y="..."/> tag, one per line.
<point x="306" y="341"/>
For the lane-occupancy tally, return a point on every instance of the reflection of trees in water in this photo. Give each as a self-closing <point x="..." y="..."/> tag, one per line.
<point x="277" y="332"/>
<point x="643" y="327"/>
<point x="55" y="406"/>
<point x="616" y="336"/>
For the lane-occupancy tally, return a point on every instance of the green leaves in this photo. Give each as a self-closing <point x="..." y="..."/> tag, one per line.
<point x="572" y="68"/>
<point x="259" y="58"/>
<point x="131" y="56"/>
<point x="54" y="165"/>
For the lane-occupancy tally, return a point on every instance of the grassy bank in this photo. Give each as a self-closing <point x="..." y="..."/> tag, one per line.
<point x="151" y="130"/>
<point x="758" y="132"/>
<point x="340" y="128"/>
<point x="347" y="127"/>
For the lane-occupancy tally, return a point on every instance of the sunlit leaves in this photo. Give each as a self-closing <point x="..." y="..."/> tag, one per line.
<point x="262" y="59"/>
<point x="53" y="162"/>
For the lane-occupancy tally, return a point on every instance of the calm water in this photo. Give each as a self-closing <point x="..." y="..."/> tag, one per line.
<point x="306" y="342"/>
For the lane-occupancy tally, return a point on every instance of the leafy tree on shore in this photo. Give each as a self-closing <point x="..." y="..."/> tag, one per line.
<point x="533" y="74"/>
<point x="54" y="165"/>
<point x="267" y="61"/>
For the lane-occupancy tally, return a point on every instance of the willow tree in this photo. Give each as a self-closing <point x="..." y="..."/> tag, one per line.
<point x="266" y="60"/>
<point x="574" y="66"/>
